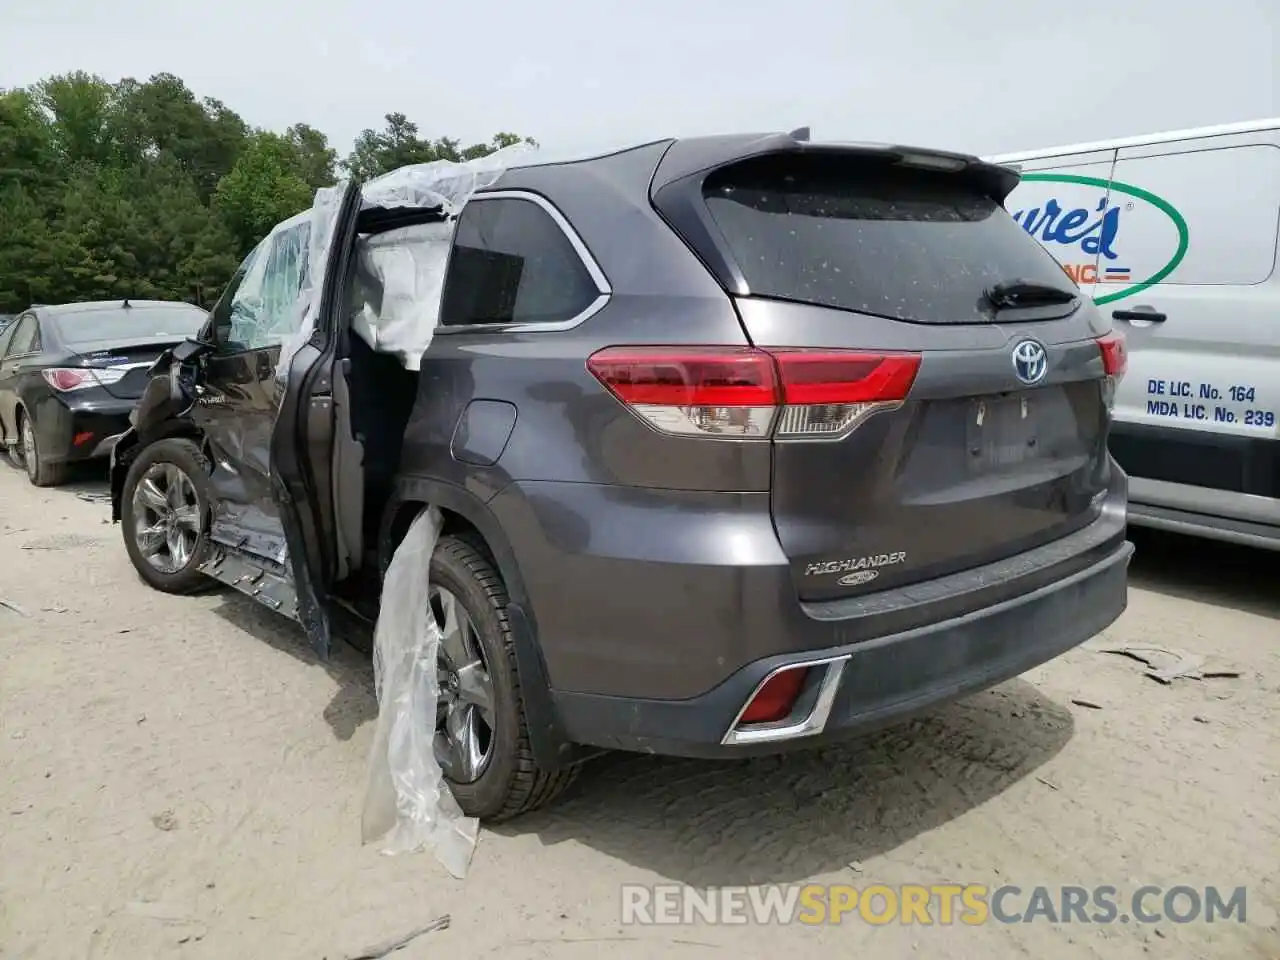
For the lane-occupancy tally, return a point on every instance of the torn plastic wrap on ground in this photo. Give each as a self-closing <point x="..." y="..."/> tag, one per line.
<point x="408" y="805"/>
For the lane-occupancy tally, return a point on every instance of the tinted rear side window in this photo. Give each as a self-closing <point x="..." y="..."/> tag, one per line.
<point x="840" y="232"/>
<point x="142" y="323"/>
<point x="511" y="263"/>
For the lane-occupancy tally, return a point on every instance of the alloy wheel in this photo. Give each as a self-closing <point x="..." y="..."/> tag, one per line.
<point x="465" y="708"/>
<point x="166" y="516"/>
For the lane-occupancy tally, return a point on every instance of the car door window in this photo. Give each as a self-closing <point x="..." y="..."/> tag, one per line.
<point x="26" y="338"/>
<point x="281" y="281"/>
<point x="513" y="263"/>
<point x="6" y="336"/>
<point x="259" y="307"/>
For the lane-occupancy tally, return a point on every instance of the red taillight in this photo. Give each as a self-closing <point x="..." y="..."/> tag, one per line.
<point x="773" y="701"/>
<point x="1115" y="355"/>
<point x="68" y="378"/>
<point x="688" y="377"/>
<point x="750" y="393"/>
<point x="827" y="376"/>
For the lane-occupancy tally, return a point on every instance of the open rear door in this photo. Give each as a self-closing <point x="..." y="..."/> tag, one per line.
<point x="302" y="439"/>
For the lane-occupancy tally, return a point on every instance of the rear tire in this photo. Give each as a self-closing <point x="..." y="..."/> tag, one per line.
<point x="511" y="782"/>
<point x="40" y="473"/>
<point x="179" y="472"/>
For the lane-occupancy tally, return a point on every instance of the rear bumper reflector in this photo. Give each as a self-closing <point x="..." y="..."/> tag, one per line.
<point x="805" y="712"/>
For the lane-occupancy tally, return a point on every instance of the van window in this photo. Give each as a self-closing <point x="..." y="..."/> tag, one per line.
<point x="1230" y="200"/>
<point x="511" y="263"/>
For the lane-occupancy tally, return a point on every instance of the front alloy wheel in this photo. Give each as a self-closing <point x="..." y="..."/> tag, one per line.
<point x="166" y="517"/>
<point x="164" y="508"/>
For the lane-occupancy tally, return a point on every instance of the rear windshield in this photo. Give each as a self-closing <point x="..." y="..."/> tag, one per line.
<point x="907" y="244"/>
<point x="134" y="323"/>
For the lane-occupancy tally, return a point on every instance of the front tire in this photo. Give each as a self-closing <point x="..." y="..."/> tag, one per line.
<point x="165" y="505"/>
<point x="482" y="736"/>
<point x="40" y="473"/>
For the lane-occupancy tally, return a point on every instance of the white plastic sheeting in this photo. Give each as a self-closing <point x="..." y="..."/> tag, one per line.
<point x="399" y="283"/>
<point x="324" y="211"/>
<point x="407" y="804"/>
<point x="441" y="182"/>
<point x="403" y="272"/>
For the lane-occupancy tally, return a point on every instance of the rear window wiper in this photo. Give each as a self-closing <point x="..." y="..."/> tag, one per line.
<point x="1010" y="294"/>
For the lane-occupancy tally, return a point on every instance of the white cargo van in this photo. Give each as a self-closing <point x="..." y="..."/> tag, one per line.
<point x="1175" y="234"/>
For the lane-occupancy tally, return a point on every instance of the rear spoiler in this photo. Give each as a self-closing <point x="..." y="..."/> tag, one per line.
<point x="702" y="155"/>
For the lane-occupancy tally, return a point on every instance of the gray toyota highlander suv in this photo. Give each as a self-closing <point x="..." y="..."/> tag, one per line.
<point x="743" y="444"/>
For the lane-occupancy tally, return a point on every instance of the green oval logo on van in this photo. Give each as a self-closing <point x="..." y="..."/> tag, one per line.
<point x="1095" y="234"/>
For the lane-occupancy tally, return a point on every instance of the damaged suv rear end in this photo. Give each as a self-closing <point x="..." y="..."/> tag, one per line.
<point x="739" y="444"/>
<point x="834" y="449"/>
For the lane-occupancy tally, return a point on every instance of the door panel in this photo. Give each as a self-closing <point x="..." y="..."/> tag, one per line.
<point x="8" y="389"/>
<point x="303" y="430"/>
<point x="234" y="409"/>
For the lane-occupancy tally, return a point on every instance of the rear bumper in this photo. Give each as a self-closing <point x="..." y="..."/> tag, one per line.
<point x="856" y="687"/>
<point x="81" y="427"/>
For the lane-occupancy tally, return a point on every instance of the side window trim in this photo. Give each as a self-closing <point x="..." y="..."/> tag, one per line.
<point x="10" y="332"/>
<point x="17" y="328"/>
<point x="604" y="289"/>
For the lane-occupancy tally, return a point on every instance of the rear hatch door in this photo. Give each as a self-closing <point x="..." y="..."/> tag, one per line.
<point x="969" y="401"/>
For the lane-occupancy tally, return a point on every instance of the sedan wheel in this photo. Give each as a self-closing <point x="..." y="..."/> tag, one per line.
<point x="39" y="472"/>
<point x="465" y="709"/>
<point x="166" y="516"/>
<point x="28" y="445"/>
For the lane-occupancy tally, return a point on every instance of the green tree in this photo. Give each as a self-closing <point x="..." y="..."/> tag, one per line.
<point x="80" y="108"/>
<point x="379" y="151"/>
<point x="161" y="117"/>
<point x="27" y="153"/>
<point x="141" y="188"/>
<point x="316" y="161"/>
<point x="263" y="188"/>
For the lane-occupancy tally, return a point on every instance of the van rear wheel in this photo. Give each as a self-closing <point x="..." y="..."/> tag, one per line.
<point x="482" y="735"/>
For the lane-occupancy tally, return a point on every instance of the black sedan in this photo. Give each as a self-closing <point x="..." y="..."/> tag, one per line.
<point x="70" y="375"/>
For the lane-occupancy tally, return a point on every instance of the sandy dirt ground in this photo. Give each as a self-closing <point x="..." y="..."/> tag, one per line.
<point x="182" y="779"/>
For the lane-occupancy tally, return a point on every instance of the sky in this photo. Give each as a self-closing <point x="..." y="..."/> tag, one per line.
<point x="983" y="76"/>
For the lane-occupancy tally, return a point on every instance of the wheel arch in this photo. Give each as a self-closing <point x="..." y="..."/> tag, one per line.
<point x="132" y="443"/>
<point x="466" y="514"/>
